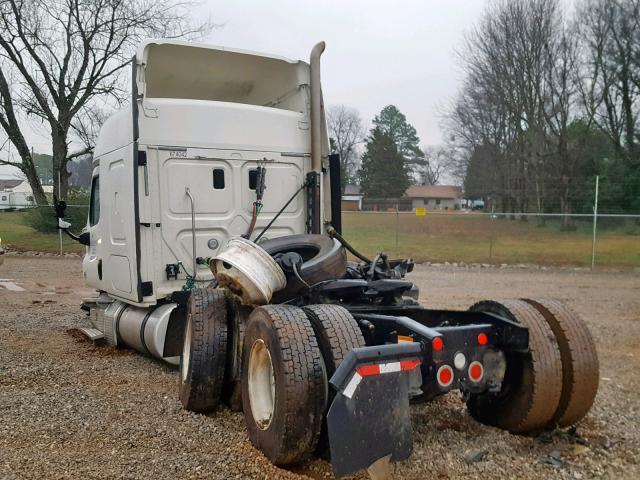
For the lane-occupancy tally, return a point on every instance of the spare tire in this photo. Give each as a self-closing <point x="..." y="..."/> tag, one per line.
<point x="324" y="259"/>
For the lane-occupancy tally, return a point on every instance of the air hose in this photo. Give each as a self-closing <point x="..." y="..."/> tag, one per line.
<point x="332" y="232"/>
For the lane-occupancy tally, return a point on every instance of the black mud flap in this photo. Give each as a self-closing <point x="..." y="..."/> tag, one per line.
<point x="369" y="417"/>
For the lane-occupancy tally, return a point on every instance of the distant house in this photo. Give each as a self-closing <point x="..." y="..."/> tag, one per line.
<point x="16" y="193"/>
<point x="434" y="197"/>
<point x="352" y="198"/>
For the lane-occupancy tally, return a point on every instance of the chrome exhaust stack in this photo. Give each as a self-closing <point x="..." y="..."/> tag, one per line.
<point x="316" y="107"/>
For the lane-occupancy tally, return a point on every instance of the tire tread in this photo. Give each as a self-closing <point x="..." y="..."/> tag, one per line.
<point x="207" y="310"/>
<point x="579" y="361"/>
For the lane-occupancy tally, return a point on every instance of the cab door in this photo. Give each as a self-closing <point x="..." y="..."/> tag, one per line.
<point x="116" y="237"/>
<point x="92" y="262"/>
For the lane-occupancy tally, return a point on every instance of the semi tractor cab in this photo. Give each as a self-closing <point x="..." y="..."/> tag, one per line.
<point x="214" y="243"/>
<point x="175" y="173"/>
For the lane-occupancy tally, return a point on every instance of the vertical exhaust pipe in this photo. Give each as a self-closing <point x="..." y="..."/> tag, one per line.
<point x="316" y="107"/>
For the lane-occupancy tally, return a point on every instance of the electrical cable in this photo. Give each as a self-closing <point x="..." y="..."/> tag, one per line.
<point x="297" y="274"/>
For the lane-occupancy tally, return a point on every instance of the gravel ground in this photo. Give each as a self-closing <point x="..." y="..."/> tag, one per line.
<point x="69" y="409"/>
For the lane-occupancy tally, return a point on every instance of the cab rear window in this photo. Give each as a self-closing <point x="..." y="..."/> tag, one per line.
<point x="94" y="208"/>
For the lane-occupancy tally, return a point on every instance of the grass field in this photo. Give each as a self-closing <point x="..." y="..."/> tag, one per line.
<point x="16" y="234"/>
<point x="454" y="237"/>
<point x="473" y="238"/>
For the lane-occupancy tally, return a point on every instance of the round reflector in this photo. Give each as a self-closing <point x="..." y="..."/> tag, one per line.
<point x="476" y="372"/>
<point x="459" y="360"/>
<point x="445" y="376"/>
<point x="437" y="343"/>
<point x="482" y="339"/>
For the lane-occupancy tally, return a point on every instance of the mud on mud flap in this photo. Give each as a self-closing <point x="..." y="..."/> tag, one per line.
<point x="369" y="417"/>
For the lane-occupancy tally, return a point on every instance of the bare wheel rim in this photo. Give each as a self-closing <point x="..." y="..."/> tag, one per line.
<point x="262" y="385"/>
<point x="186" y="351"/>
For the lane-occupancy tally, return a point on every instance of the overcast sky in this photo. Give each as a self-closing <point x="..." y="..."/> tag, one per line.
<point x="378" y="53"/>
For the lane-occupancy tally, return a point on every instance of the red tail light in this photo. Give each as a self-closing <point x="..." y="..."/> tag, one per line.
<point x="437" y="344"/>
<point x="476" y="371"/>
<point x="445" y="376"/>
<point x="482" y="339"/>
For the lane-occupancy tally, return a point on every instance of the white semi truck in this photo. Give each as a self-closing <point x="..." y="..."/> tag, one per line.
<point x="214" y="242"/>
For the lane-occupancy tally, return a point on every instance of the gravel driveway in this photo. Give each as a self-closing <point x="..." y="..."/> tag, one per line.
<point x="69" y="409"/>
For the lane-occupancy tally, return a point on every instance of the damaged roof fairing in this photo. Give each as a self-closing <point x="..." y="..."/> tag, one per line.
<point x="184" y="70"/>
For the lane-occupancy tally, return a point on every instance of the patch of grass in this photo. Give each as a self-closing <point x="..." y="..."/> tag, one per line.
<point x="17" y="234"/>
<point x="472" y="238"/>
<point x="454" y="237"/>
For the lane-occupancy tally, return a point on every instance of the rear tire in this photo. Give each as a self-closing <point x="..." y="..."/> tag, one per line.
<point x="580" y="368"/>
<point x="338" y="333"/>
<point x="238" y="315"/>
<point x="533" y="382"/>
<point x="204" y="354"/>
<point x="283" y="383"/>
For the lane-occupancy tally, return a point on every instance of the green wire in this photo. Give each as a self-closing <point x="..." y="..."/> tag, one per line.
<point x="190" y="282"/>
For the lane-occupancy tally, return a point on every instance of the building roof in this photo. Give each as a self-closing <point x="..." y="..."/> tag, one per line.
<point x="352" y="190"/>
<point x="10" y="183"/>
<point x="433" y="191"/>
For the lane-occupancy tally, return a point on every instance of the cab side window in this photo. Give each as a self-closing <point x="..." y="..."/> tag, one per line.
<point x="94" y="208"/>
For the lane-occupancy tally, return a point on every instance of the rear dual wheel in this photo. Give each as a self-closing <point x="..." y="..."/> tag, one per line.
<point x="289" y="355"/>
<point x="580" y="367"/>
<point x="555" y="383"/>
<point x="283" y="383"/>
<point x="338" y="333"/>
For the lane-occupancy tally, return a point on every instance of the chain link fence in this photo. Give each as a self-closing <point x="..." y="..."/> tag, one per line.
<point x="439" y="236"/>
<point x="498" y="238"/>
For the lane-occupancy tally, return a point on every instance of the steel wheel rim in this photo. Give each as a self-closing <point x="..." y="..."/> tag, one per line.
<point x="262" y="385"/>
<point x="186" y="351"/>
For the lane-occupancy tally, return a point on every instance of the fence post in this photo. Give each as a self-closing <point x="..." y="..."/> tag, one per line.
<point x="59" y="231"/>
<point x="491" y="220"/>
<point x="397" y="228"/>
<point x="595" y="223"/>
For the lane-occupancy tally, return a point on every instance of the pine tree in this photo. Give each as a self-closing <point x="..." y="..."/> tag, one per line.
<point x="384" y="172"/>
<point x="393" y="122"/>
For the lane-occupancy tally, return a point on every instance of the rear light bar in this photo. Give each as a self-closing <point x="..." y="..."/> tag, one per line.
<point x="378" y="369"/>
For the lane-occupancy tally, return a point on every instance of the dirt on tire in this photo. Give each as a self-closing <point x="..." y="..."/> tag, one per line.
<point x="291" y="434"/>
<point x="534" y="386"/>
<point x="338" y="333"/>
<point x="200" y="385"/>
<point x="580" y="367"/>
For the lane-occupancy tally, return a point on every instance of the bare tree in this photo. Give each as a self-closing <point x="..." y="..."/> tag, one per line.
<point x="347" y="133"/>
<point x="560" y="97"/>
<point x="435" y="163"/>
<point x="610" y="87"/>
<point x="501" y="109"/>
<point x="65" y="57"/>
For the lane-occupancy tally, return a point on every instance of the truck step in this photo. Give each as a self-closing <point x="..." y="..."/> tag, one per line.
<point x="93" y="333"/>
